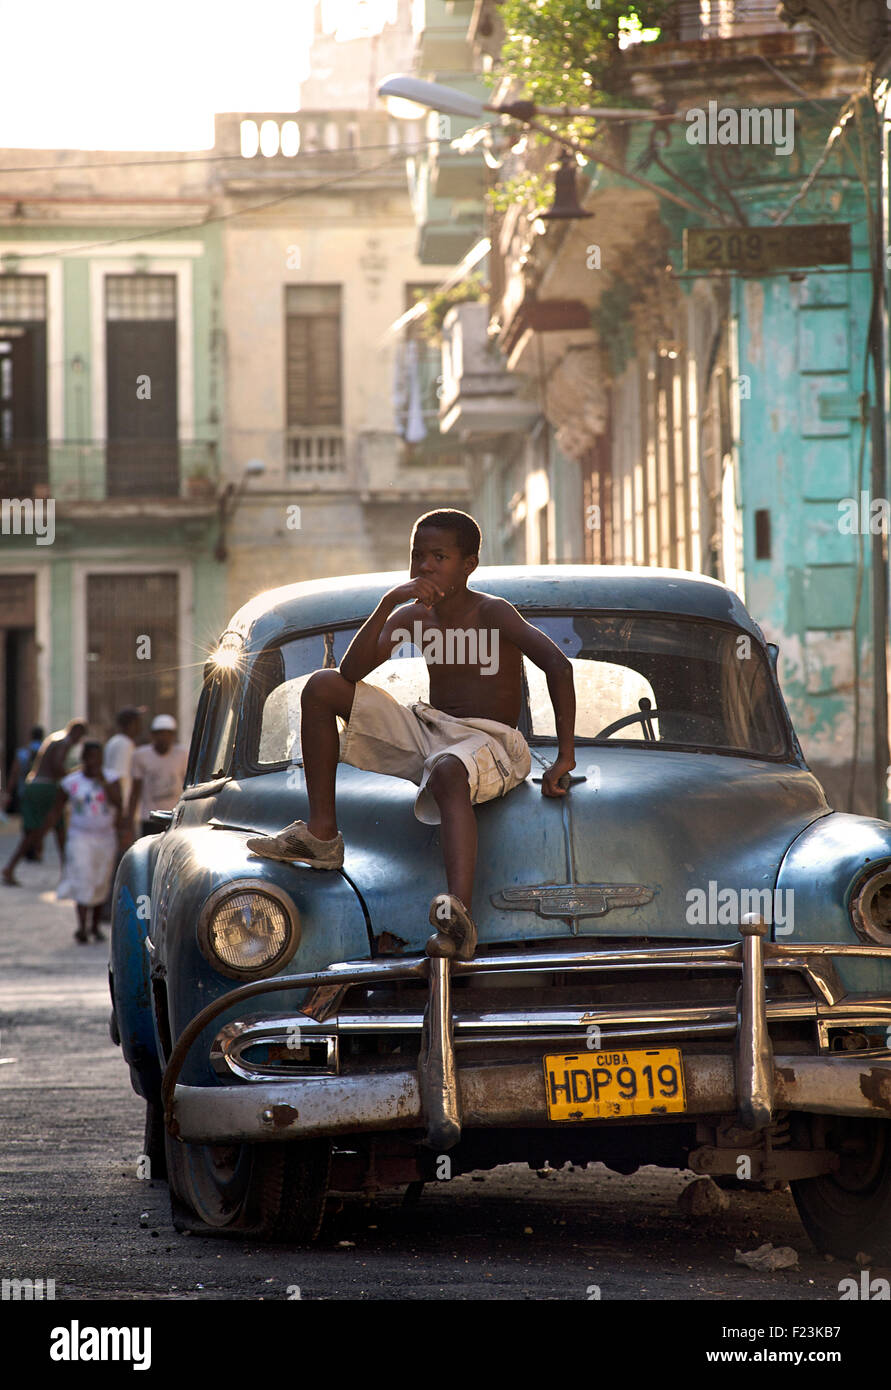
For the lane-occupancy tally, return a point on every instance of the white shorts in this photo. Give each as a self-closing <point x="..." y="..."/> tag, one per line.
<point x="407" y="741"/>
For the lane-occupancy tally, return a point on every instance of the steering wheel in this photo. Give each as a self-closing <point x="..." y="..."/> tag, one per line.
<point x="643" y="717"/>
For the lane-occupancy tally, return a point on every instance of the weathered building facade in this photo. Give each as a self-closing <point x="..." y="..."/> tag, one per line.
<point x="704" y="420"/>
<point x="202" y="390"/>
<point x="110" y="412"/>
<point x="332" y="440"/>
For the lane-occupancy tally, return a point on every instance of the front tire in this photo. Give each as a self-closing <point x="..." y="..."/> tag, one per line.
<point x="268" y="1191"/>
<point x="154" y="1147"/>
<point x="849" y="1211"/>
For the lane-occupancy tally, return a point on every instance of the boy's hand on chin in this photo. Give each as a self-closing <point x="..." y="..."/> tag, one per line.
<point x="417" y="591"/>
<point x="552" y="775"/>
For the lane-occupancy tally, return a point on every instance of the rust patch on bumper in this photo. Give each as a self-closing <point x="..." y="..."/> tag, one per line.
<point x="876" y="1087"/>
<point x="284" y="1115"/>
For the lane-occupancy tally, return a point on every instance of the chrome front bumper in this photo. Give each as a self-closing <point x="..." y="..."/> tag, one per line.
<point x="499" y="1096"/>
<point x="440" y="1097"/>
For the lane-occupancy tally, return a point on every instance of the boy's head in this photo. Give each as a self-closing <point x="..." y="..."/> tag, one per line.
<point x="445" y="547"/>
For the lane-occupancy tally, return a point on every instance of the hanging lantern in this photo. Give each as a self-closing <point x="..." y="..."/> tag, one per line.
<point x="566" y="206"/>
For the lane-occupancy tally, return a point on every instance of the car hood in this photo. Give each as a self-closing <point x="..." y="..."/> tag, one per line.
<point x="646" y="843"/>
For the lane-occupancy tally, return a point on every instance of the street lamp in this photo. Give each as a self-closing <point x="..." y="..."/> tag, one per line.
<point x="437" y="97"/>
<point x="451" y="102"/>
<point x="227" y="502"/>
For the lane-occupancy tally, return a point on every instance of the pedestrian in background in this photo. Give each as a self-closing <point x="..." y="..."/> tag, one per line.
<point x="117" y="757"/>
<point x="39" y="793"/>
<point x="95" y="822"/>
<point x="158" y="772"/>
<point x="21" y="765"/>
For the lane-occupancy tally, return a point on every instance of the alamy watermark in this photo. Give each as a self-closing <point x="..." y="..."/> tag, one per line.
<point x="870" y="1290"/>
<point x="77" y="1343"/>
<point x="455" y="646"/>
<point x="29" y="516"/>
<point x="725" y="907"/>
<point x="27" y="1290"/>
<point x="751" y="125"/>
<point x="864" y="516"/>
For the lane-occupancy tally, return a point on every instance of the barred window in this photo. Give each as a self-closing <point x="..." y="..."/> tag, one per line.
<point x="23" y="297"/>
<point x="120" y="609"/>
<point x="140" y="297"/>
<point x="312" y="349"/>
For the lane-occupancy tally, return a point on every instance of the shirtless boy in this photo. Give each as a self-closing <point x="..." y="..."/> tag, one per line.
<point x="39" y="793"/>
<point x="462" y="748"/>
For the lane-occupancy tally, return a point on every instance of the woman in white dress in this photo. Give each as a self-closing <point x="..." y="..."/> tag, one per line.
<point x="94" y="828"/>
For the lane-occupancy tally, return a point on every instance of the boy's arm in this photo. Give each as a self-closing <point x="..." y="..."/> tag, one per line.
<point x="371" y="644"/>
<point x="548" y="657"/>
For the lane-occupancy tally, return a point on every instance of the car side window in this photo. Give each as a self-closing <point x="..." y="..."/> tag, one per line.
<point x="210" y="756"/>
<point x="277" y="679"/>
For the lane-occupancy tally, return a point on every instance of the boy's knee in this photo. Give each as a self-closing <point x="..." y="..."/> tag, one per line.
<point x="448" y="778"/>
<point x="325" y="686"/>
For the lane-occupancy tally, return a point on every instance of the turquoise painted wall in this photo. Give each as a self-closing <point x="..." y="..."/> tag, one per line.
<point x="799" y="373"/>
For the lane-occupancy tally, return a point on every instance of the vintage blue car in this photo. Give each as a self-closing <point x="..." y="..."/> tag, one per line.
<point x="684" y="961"/>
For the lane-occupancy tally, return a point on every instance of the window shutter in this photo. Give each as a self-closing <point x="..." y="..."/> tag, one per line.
<point x="312" y="352"/>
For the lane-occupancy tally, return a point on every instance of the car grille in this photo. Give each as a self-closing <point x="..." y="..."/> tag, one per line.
<point x="515" y="1015"/>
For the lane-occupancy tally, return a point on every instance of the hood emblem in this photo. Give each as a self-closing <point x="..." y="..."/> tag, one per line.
<point x="572" y="899"/>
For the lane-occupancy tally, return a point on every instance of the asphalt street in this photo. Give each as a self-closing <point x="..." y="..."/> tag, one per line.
<point x="73" y="1209"/>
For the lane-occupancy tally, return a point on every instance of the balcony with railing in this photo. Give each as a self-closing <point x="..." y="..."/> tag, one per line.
<point x="316" y="454"/>
<point x="721" y="19"/>
<point x="702" y="43"/>
<point x="478" y="395"/>
<point x="271" y="147"/>
<point x="120" y="475"/>
<point x="447" y="227"/>
<point x="440" y="29"/>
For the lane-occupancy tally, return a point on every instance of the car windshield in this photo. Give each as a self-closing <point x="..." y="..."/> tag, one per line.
<point x="708" y="686"/>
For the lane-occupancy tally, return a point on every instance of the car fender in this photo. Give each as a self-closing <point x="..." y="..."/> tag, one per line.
<point x="130" y="968"/>
<point x="196" y="862"/>
<point x="821" y="869"/>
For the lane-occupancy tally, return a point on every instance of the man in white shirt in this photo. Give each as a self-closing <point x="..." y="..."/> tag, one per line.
<point x="117" y="755"/>
<point x="118" y="752"/>
<point x="158" y="771"/>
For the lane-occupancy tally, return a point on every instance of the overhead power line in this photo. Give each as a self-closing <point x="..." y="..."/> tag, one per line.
<point x="409" y="148"/>
<point x="144" y="232"/>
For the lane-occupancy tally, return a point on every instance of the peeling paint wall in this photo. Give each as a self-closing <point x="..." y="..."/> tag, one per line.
<point x="802" y="344"/>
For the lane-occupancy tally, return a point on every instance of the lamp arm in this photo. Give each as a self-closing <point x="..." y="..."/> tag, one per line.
<point x="574" y="145"/>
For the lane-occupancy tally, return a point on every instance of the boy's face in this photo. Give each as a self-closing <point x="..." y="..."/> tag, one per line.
<point x="435" y="555"/>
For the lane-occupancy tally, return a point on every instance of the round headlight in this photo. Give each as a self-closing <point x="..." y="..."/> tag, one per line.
<point x="871" y="906"/>
<point x="248" y="932"/>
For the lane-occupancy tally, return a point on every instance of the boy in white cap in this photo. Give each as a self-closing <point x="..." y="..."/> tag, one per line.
<point x="158" y="771"/>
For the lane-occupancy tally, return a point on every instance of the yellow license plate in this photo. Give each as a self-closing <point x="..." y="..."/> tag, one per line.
<point x="606" y="1085"/>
